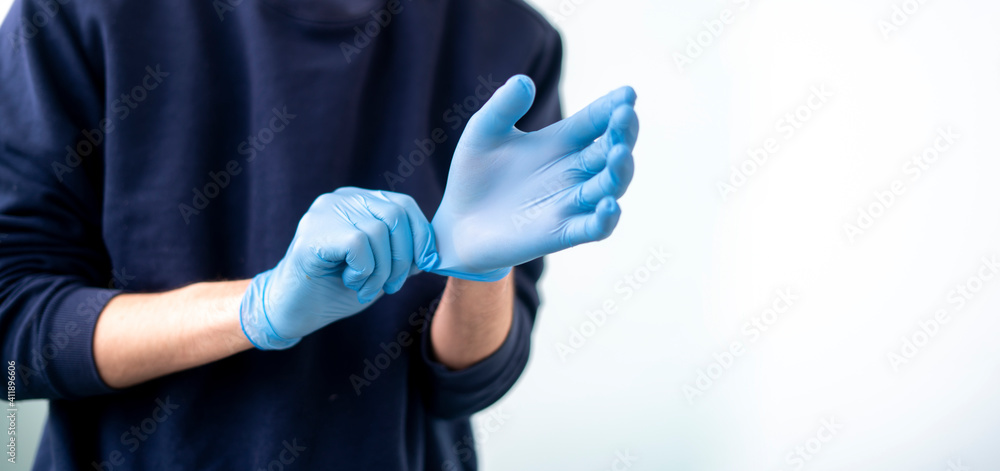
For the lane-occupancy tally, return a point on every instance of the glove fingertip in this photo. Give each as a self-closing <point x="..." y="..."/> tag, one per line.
<point x="606" y="218"/>
<point x="628" y="94"/>
<point x="353" y="279"/>
<point x="623" y="115"/>
<point x="608" y="206"/>
<point x="394" y="286"/>
<point x="525" y="81"/>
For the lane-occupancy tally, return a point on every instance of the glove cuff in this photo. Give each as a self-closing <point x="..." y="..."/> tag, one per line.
<point x="490" y="276"/>
<point x="440" y="258"/>
<point x="253" y="317"/>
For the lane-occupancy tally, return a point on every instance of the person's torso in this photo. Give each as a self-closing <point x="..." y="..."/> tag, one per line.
<point x="225" y="120"/>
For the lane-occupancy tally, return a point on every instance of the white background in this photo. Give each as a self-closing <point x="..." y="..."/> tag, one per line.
<point x="826" y="357"/>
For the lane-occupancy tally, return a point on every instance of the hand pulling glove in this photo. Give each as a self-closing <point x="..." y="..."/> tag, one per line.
<point x="350" y="247"/>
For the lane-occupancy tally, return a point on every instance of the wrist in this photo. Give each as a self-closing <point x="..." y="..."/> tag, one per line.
<point x="254" y="317"/>
<point x="472" y="321"/>
<point x="475" y="293"/>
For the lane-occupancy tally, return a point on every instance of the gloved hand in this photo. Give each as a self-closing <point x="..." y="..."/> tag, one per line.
<point x="352" y="246"/>
<point x="513" y="196"/>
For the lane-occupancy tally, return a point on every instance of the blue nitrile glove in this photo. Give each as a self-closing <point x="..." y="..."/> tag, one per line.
<point x="352" y="246"/>
<point x="513" y="196"/>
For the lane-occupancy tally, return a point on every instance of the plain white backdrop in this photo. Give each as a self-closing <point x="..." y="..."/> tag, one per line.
<point x="820" y="259"/>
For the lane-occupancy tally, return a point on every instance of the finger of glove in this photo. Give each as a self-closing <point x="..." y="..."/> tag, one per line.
<point x="397" y="221"/>
<point x="425" y="255"/>
<point x="623" y="128"/>
<point x="378" y="240"/>
<point x="612" y="181"/>
<point x="591" y="122"/>
<point x="594" y="226"/>
<point x="594" y="157"/>
<point x="507" y="106"/>
<point x="356" y="252"/>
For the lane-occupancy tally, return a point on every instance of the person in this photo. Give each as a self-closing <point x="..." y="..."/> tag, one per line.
<point x="215" y="250"/>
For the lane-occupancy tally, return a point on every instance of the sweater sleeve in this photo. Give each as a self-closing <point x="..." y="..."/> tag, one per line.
<point x="462" y="393"/>
<point x="53" y="262"/>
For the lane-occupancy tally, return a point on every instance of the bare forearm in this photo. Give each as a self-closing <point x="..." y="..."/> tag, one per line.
<point x="140" y="337"/>
<point x="472" y="321"/>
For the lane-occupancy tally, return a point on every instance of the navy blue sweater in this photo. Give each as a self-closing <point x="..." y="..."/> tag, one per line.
<point x="147" y="145"/>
